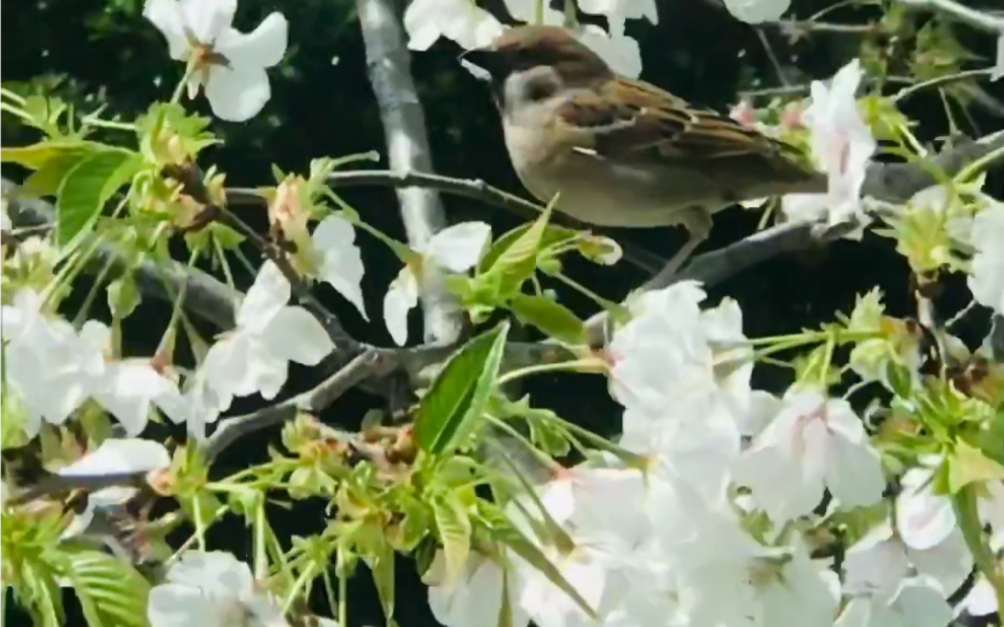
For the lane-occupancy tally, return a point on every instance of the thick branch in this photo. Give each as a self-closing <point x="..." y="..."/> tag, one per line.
<point x="388" y="62"/>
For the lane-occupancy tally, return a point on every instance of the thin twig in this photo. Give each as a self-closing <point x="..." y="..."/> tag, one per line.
<point x="312" y="401"/>
<point x="388" y="64"/>
<point x="55" y="484"/>
<point x="960" y="12"/>
<point x="940" y="81"/>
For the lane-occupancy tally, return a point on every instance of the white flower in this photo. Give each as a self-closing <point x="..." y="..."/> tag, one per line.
<point x="255" y="356"/>
<point x="987" y="279"/>
<point x="229" y="64"/>
<point x="813" y="443"/>
<point x="617" y="11"/>
<point x="125" y="387"/>
<point x="916" y="602"/>
<point x="619" y="51"/>
<point x="48" y="364"/>
<point x="197" y="406"/>
<point x="877" y="563"/>
<point x="757" y="11"/>
<point x="456" y="249"/>
<point x="462" y="21"/>
<point x="476" y="599"/>
<point x="923" y="519"/>
<point x="339" y="259"/>
<point x="211" y="590"/>
<point x="842" y="145"/>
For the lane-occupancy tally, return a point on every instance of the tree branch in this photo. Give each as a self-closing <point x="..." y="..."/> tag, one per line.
<point x="961" y="13"/>
<point x="388" y="64"/>
<point x="361" y="367"/>
<point x="54" y="484"/>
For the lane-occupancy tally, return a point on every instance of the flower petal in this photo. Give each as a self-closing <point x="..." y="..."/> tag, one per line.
<point x="166" y="15"/>
<point x="237" y="93"/>
<point x="296" y="335"/>
<point x="261" y="48"/>
<point x="402" y="296"/>
<point x="459" y="247"/>
<point x="120" y="456"/>
<point x="173" y="605"/>
<point x="207" y="19"/>
<point x="267" y="296"/>
<point x="341" y="262"/>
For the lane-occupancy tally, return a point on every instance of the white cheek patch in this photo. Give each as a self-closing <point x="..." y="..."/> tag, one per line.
<point x="476" y="71"/>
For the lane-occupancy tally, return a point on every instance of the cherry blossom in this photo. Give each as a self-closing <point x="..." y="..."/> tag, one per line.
<point x="924" y="519"/>
<point x="757" y="11"/>
<point x="339" y="260"/>
<point x="987" y="279"/>
<point x="255" y="356"/>
<point x="459" y="20"/>
<point x="476" y="600"/>
<point x="915" y="602"/>
<point x="228" y="63"/>
<point x="48" y="364"/>
<point x="211" y="589"/>
<point x="842" y="145"/>
<point x="456" y="248"/>
<point x="617" y="11"/>
<point x="812" y="443"/>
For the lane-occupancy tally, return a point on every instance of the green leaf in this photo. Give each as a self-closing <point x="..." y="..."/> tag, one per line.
<point x="549" y="316"/>
<point x="460" y="393"/>
<point x="382" y="568"/>
<point x="110" y="591"/>
<point x="37" y="155"/>
<point x="507" y="534"/>
<point x="88" y="186"/>
<point x="969" y="465"/>
<point x="123" y="296"/>
<point x="518" y="261"/>
<point x="553" y="235"/>
<point x="454" y="528"/>
<point x="45" y="181"/>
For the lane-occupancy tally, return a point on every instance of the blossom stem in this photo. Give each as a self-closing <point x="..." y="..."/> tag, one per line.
<point x="609" y="305"/>
<point x="301" y="582"/>
<point x="966" y="511"/>
<point x="592" y="364"/>
<point x="973" y="170"/>
<point x="180" y="89"/>
<point x="15" y="111"/>
<point x="343" y="594"/>
<point x="541" y="456"/>
<point x="632" y="459"/>
<point x="940" y="81"/>
<point x="18" y="100"/>
<point x="179" y="301"/>
<point x="260" y="551"/>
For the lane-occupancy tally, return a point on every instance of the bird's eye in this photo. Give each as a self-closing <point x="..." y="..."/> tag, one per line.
<point x="540" y="88"/>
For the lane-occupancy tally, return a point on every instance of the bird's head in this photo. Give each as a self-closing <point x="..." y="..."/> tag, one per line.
<point x="526" y="48"/>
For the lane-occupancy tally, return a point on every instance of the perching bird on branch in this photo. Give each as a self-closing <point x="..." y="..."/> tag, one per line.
<point x="623" y="152"/>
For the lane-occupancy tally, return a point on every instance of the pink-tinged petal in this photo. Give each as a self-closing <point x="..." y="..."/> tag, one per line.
<point x="401" y="297"/>
<point x="237" y="93"/>
<point x="267" y="296"/>
<point x="923" y="519"/>
<point x="261" y="48"/>
<point x="167" y="16"/>
<point x="296" y="335"/>
<point x="854" y="474"/>
<point x="207" y="19"/>
<point x="459" y="247"/>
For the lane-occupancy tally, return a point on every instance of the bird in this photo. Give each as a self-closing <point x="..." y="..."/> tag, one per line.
<point x="612" y="151"/>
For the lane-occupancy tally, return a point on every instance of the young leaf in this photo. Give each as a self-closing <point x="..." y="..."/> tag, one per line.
<point x="454" y="527"/>
<point x="553" y="234"/>
<point x="459" y="394"/>
<point x="37" y="155"/>
<point x="110" y="591"/>
<point x="88" y="186"/>
<point x="549" y="316"/>
<point x="382" y="568"/>
<point x="517" y="262"/>
<point x="969" y="465"/>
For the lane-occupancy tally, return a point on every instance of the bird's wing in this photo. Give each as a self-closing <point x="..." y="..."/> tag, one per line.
<point x="630" y="119"/>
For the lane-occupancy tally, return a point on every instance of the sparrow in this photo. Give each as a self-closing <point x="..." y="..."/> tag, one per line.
<point x="624" y="153"/>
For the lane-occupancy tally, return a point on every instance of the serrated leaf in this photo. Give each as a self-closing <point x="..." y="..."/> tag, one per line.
<point x="969" y="465"/>
<point x="37" y="155"/>
<point x="518" y="261"/>
<point x="454" y="528"/>
<point x="460" y="393"/>
<point x="549" y="316"/>
<point x="110" y="591"/>
<point x="507" y="534"/>
<point x="88" y="186"/>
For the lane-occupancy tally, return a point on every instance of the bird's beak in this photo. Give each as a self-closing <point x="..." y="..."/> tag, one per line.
<point x="482" y="63"/>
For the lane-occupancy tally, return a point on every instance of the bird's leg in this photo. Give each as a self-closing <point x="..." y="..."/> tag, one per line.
<point x="697" y="221"/>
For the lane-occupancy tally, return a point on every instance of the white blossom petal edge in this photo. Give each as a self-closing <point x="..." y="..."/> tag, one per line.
<point x="228" y="63"/>
<point x="339" y="259"/>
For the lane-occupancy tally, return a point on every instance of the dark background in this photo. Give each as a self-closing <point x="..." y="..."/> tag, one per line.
<point x="91" y="52"/>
